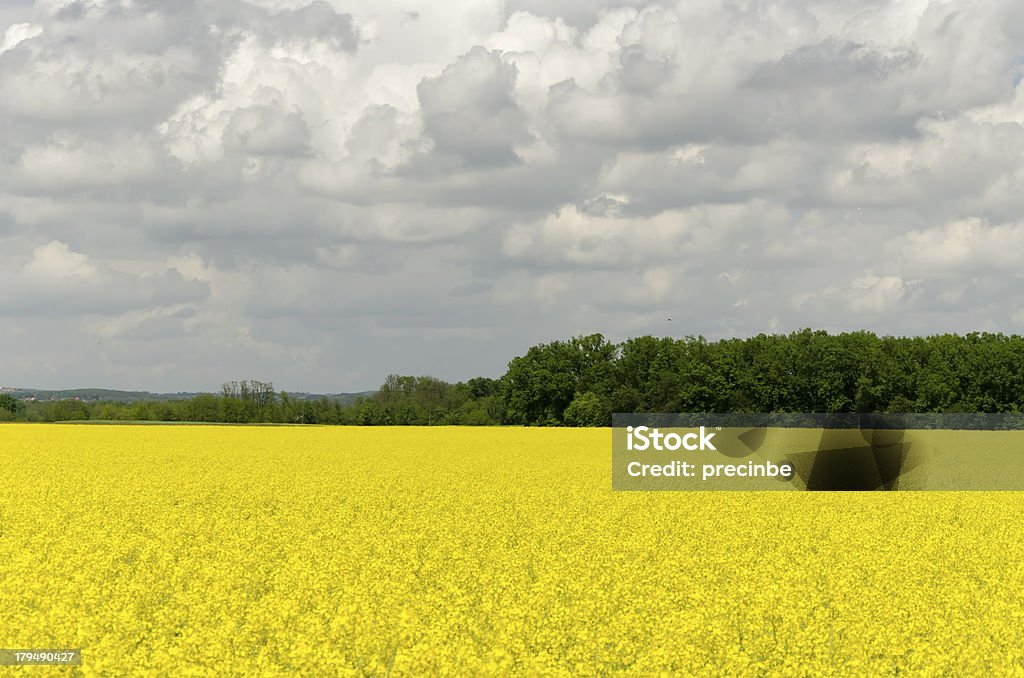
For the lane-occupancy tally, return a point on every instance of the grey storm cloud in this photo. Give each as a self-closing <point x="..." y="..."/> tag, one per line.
<point x="642" y="74"/>
<point x="470" y="110"/>
<point x="833" y="63"/>
<point x="266" y="130"/>
<point x="575" y="12"/>
<point x="59" y="282"/>
<point x="315" y="21"/>
<point x="322" y="193"/>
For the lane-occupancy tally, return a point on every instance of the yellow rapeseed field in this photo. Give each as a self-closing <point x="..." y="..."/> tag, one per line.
<point x="209" y="550"/>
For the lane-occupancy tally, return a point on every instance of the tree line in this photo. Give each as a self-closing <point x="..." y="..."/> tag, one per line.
<point x="583" y="380"/>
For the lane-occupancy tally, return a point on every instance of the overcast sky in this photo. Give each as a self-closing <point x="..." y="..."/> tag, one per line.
<point x="319" y="194"/>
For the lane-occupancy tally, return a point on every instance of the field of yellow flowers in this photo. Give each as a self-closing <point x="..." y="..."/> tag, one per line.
<point x="214" y="550"/>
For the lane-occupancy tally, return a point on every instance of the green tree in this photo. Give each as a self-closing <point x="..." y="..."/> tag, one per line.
<point x="68" y="410"/>
<point x="539" y="386"/>
<point x="9" y="403"/>
<point x="588" y="409"/>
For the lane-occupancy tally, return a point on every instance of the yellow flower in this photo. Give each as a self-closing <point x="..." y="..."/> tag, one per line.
<point x="207" y="550"/>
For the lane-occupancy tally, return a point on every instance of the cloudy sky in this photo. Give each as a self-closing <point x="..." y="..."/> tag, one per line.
<point x="319" y="194"/>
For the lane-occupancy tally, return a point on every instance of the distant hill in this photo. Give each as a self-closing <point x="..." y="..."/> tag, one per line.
<point x="105" y="394"/>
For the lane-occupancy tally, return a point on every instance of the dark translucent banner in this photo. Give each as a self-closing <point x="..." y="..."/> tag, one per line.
<point x="818" y="452"/>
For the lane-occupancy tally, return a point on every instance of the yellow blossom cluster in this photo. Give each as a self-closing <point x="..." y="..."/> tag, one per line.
<point x="218" y="550"/>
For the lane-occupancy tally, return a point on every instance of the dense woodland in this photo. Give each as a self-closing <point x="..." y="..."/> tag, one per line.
<point x="580" y="382"/>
